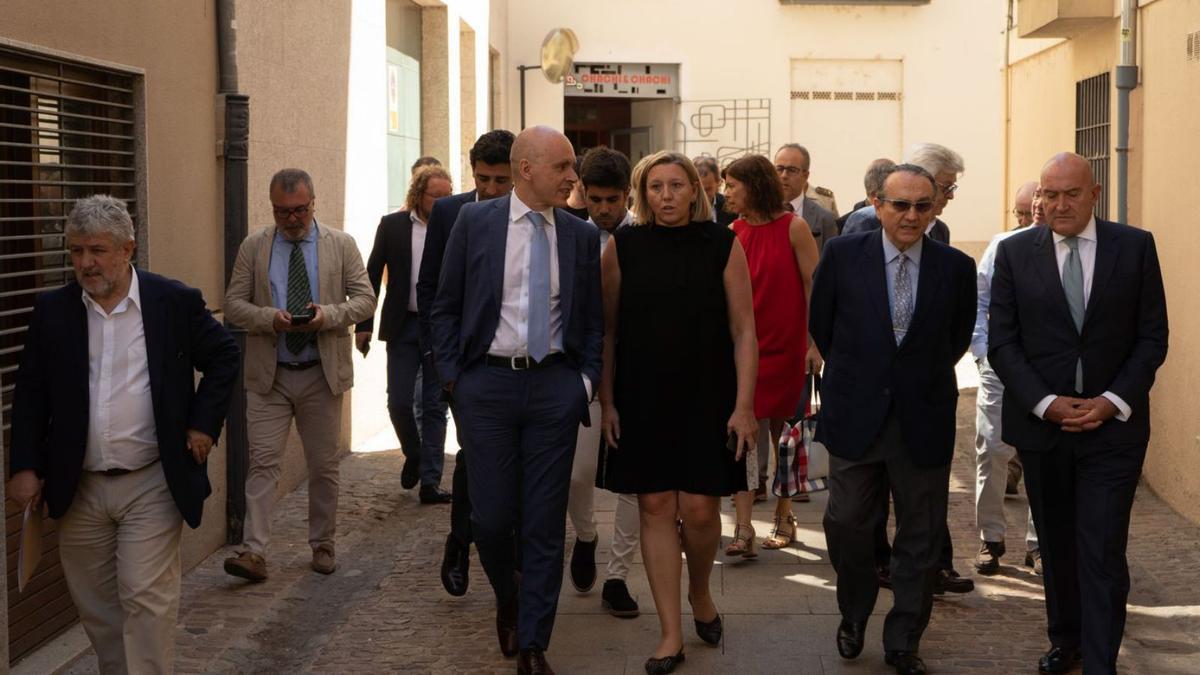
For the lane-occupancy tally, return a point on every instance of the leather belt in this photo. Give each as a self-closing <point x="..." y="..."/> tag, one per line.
<point x="298" y="365"/>
<point x="524" y="362"/>
<point x="120" y="471"/>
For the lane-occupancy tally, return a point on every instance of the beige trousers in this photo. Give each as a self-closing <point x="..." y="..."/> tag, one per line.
<point x="580" y="502"/>
<point x="119" y="543"/>
<point x="302" y="395"/>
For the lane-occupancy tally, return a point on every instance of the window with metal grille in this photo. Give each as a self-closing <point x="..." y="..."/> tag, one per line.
<point x="1092" y="113"/>
<point x="67" y="130"/>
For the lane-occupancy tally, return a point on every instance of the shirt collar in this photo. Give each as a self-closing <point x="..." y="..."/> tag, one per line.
<point x="1088" y="233"/>
<point x="624" y="221"/>
<point x="416" y="219"/>
<point x="890" y="252"/>
<point x="518" y="210"/>
<point x="798" y="204"/>
<point x="134" y="296"/>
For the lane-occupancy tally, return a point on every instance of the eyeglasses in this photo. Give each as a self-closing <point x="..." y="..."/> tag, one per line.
<point x="299" y="211"/>
<point x="949" y="189"/>
<point x="788" y="170"/>
<point x="903" y="205"/>
<point x="1022" y="214"/>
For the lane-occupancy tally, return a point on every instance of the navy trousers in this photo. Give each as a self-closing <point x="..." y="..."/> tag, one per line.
<point x="520" y="427"/>
<point x="422" y="439"/>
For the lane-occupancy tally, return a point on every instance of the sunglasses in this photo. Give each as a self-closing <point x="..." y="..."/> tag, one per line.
<point x="903" y="205"/>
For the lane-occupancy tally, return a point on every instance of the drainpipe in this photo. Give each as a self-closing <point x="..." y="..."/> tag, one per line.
<point x="1006" y="182"/>
<point x="1127" y="79"/>
<point x="235" y="152"/>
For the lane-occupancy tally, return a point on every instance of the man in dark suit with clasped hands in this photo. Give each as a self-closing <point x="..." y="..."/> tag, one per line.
<point x="517" y="332"/>
<point x="892" y="313"/>
<point x="1077" y="330"/>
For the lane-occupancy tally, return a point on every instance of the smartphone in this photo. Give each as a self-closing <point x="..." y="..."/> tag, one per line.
<point x="303" y="316"/>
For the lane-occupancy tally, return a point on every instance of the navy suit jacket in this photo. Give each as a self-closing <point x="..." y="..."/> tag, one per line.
<point x="393" y="250"/>
<point x="437" y="232"/>
<point x="1033" y="344"/>
<point x="50" y="404"/>
<point x="466" y="310"/>
<point x="866" y="373"/>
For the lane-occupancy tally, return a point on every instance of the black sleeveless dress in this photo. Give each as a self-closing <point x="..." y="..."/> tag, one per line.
<point x="675" y="384"/>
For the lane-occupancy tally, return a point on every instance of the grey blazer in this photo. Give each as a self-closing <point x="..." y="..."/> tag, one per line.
<point x="822" y="223"/>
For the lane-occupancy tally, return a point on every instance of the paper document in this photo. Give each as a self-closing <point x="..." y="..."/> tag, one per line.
<point x="31" y="545"/>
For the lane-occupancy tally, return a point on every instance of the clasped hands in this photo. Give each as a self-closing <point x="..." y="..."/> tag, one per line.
<point x="1080" y="414"/>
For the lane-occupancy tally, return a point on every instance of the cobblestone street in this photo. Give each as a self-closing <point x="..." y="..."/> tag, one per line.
<point x="384" y="610"/>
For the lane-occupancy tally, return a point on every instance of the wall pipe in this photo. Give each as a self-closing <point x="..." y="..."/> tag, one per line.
<point x="235" y="153"/>
<point x="1127" y="79"/>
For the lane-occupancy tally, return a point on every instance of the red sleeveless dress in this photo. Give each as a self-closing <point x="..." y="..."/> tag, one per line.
<point x="780" y="316"/>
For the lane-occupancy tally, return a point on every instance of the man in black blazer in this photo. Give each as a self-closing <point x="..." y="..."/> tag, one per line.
<point x="492" y="172"/>
<point x="399" y="247"/>
<point x="112" y="433"/>
<point x="1077" y="330"/>
<point x="517" y="326"/>
<point x="892" y="313"/>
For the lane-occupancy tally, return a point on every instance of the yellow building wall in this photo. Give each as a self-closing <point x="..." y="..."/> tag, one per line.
<point x="1165" y="139"/>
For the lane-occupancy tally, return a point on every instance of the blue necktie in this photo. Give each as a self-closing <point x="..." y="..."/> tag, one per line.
<point x="1072" y="281"/>
<point x="538" y="330"/>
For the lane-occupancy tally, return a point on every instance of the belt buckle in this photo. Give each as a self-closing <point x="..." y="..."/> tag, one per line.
<point x="524" y="360"/>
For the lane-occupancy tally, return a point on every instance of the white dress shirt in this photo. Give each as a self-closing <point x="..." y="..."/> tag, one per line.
<point x="983" y="288"/>
<point x="512" y="333"/>
<point x="418" y="249"/>
<point x="1087" y="259"/>
<point x="121" y="431"/>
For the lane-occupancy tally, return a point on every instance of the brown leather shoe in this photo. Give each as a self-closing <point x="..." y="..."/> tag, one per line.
<point x="323" y="560"/>
<point x="533" y="662"/>
<point x="248" y="566"/>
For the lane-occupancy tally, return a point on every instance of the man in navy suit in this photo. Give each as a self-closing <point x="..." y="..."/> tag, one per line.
<point x="111" y="431"/>
<point x="517" y="331"/>
<point x="892" y="313"/>
<point x="493" y="178"/>
<point x="399" y="247"/>
<point x="1077" y="330"/>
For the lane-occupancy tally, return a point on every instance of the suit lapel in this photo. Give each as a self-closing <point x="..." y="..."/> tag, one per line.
<point x="262" y="282"/>
<point x="154" y="332"/>
<point x="1107" y="251"/>
<point x="326" y="272"/>
<point x="566" y="264"/>
<point x="876" y="278"/>
<point x="1046" y="263"/>
<point x="497" y="242"/>
<point x="405" y="257"/>
<point x="928" y="283"/>
<point x="77" y="329"/>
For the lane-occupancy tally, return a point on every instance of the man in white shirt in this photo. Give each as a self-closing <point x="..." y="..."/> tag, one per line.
<point x="1077" y="329"/>
<point x="517" y="330"/>
<point x="399" y="247"/>
<point x="112" y="433"/>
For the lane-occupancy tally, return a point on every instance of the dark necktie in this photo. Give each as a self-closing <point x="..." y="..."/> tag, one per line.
<point x="298" y="296"/>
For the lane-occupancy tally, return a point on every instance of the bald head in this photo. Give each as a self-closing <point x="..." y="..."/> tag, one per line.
<point x="1069" y="193"/>
<point x="1023" y="203"/>
<point x="543" y="167"/>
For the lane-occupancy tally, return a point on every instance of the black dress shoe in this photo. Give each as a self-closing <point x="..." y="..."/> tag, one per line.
<point x="710" y="631"/>
<point x="666" y="664"/>
<point x="1058" y="660"/>
<point x="850" y="637"/>
<point x="948" y="581"/>
<point x="905" y="663"/>
<point x="583" y="565"/>
<point x="410" y="475"/>
<point x="533" y="662"/>
<point x="616" y="600"/>
<point x="432" y="494"/>
<point x="506" y="630"/>
<point x="884" y="573"/>
<point x="456" y="565"/>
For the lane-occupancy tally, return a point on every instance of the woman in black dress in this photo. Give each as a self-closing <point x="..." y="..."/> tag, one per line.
<point x="677" y="395"/>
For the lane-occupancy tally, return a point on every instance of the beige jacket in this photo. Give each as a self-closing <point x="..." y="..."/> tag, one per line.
<point x="345" y="299"/>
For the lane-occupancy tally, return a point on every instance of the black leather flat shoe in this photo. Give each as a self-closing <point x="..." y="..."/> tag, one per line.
<point x="667" y="664"/>
<point x="710" y="631"/>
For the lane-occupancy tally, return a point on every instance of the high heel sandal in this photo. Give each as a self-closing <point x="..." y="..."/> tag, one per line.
<point x="743" y="543"/>
<point x="780" y="537"/>
<point x="666" y="664"/>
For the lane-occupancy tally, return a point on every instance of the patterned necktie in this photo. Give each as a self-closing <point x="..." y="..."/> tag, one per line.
<point x="298" y="296"/>
<point x="902" y="303"/>
<point x="538" y="329"/>
<point x="1072" y="281"/>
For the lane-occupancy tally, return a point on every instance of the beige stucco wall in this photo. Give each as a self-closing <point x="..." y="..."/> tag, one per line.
<point x="1165" y="139"/>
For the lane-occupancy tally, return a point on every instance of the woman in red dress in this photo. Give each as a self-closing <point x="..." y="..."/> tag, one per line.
<point x="782" y="255"/>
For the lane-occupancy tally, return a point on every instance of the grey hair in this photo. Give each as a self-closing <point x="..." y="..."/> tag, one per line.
<point x="935" y="158"/>
<point x="288" y="179"/>
<point x="99" y="215"/>
<point x="914" y="169"/>
<point x="876" y="173"/>
<point x="798" y="148"/>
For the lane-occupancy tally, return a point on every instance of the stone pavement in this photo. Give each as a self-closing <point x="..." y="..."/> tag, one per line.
<point x="385" y="610"/>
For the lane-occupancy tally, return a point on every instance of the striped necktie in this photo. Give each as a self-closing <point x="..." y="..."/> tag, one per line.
<point x="298" y="296"/>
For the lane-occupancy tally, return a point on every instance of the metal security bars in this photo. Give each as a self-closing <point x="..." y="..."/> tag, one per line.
<point x="1092" y="115"/>
<point x="67" y="130"/>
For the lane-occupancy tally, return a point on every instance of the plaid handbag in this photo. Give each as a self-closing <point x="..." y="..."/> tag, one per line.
<point x="792" y="468"/>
